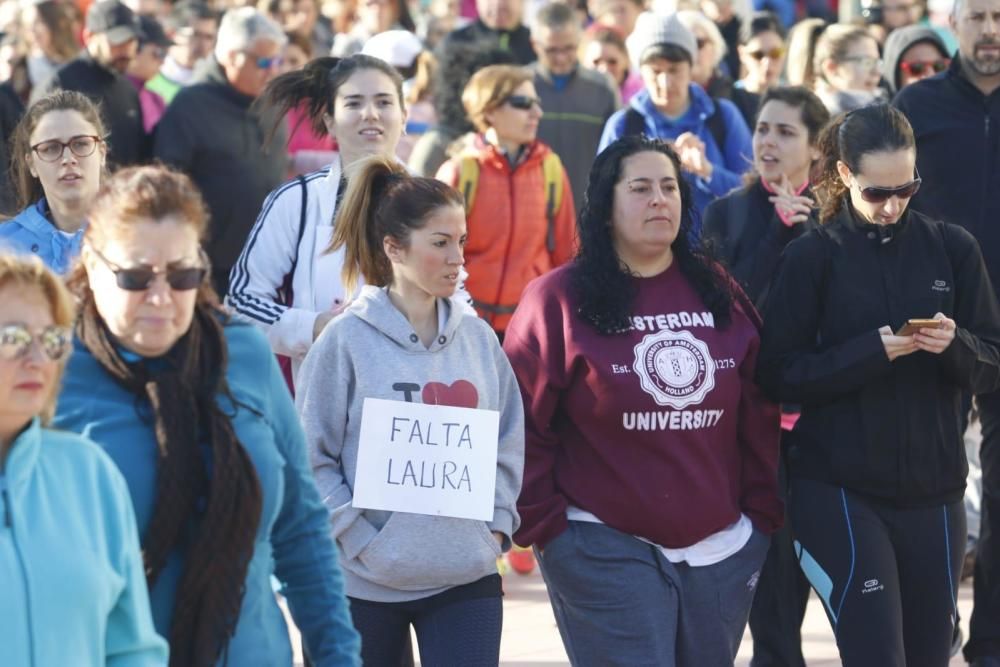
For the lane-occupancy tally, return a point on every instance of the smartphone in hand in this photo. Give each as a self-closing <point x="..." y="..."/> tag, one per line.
<point x="915" y="325"/>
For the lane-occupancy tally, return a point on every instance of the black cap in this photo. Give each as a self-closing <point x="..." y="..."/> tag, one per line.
<point x="152" y="32"/>
<point x="114" y="20"/>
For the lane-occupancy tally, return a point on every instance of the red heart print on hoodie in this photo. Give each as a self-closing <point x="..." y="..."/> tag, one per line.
<point x="461" y="394"/>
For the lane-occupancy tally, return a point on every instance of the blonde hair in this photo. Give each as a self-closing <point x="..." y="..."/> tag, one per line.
<point x="487" y="90"/>
<point x="834" y="44"/>
<point x="802" y="40"/>
<point x="26" y="273"/>
<point x="692" y="19"/>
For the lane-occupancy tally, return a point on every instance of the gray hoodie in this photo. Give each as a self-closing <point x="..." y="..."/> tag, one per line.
<point x="899" y="42"/>
<point x="371" y="350"/>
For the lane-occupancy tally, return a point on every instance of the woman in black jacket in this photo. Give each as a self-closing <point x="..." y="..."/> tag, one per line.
<point x="747" y="229"/>
<point x="877" y="461"/>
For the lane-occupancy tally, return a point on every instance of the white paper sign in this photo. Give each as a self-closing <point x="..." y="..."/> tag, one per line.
<point x="427" y="459"/>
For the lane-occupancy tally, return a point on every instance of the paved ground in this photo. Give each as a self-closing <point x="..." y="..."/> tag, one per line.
<point x="531" y="639"/>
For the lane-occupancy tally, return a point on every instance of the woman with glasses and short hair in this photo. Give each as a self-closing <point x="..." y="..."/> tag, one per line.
<point x="847" y="68"/>
<point x="58" y="156"/>
<point x="193" y="409"/>
<point x="517" y="194"/>
<point x="73" y="584"/>
<point x="878" y="321"/>
<point x="762" y="55"/>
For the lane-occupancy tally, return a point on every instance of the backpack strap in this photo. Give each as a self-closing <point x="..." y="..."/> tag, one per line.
<point x="552" y="171"/>
<point x="716" y="125"/>
<point x="468" y="180"/>
<point x="634" y="123"/>
<point x="286" y="284"/>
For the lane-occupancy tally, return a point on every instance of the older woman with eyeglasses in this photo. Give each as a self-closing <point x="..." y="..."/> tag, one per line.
<point x="517" y="194"/>
<point x="58" y="155"/>
<point x="73" y="585"/>
<point x="193" y="409"/>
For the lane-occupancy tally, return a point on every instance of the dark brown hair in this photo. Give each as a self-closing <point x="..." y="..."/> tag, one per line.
<point x="179" y="397"/>
<point x="383" y="200"/>
<point x="27" y="188"/>
<point x="848" y="138"/>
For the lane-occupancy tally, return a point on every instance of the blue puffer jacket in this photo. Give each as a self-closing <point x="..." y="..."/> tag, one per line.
<point x="72" y="588"/>
<point x="729" y="162"/>
<point x="30" y="232"/>
<point x="293" y="539"/>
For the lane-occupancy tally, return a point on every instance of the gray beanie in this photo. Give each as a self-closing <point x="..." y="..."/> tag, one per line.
<point x="658" y="30"/>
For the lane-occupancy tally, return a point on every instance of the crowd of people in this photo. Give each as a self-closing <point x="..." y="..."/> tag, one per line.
<point x="352" y="304"/>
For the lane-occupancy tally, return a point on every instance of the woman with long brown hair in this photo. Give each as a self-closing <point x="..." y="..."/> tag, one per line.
<point x="193" y="409"/>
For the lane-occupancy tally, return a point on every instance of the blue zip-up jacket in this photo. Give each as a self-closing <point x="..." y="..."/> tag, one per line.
<point x="72" y="587"/>
<point x="729" y="162"/>
<point x="30" y="232"/>
<point x="293" y="540"/>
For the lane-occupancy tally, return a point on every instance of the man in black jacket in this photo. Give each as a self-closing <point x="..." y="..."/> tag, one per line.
<point x="212" y="132"/>
<point x="500" y="23"/>
<point x="112" y="38"/>
<point x="956" y="121"/>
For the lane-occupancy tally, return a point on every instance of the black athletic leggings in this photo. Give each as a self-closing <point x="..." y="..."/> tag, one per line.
<point x="888" y="577"/>
<point x="457" y="628"/>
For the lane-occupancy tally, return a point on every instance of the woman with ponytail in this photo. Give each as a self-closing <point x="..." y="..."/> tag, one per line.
<point x="650" y="480"/>
<point x="876" y="460"/>
<point x="193" y="410"/>
<point x="285" y="282"/>
<point x="408" y="339"/>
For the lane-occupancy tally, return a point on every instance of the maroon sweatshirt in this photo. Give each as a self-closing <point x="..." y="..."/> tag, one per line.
<point x="660" y="431"/>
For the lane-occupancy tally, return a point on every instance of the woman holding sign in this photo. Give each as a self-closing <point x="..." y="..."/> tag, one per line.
<point x="651" y="463"/>
<point x="877" y="461"/>
<point x="415" y="426"/>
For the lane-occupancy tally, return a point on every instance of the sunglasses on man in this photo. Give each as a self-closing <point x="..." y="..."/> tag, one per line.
<point x="922" y="67"/>
<point x="774" y="54"/>
<point x="16" y="341"/>
<point x="137" y="279"/>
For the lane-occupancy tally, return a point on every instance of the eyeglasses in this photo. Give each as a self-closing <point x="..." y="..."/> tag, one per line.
<point x="523" y="102"/>
<point x="16" y="341"/>
<point x="142" y="277"/>
<point x="865" y="62"/>
<point x="922" y="67"/>
<point x="875" y="195"/>
<point x="82" y="145"/>
<point x="265" y="63"/>
<point x="773" y="54"/>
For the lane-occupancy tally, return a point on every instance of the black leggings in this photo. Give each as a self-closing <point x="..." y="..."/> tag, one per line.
<point x="888" y="577"/>
<point x="453" y="628"/>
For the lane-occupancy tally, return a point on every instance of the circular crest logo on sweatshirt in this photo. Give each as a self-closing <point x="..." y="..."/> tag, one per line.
<point x="675" y="368"/>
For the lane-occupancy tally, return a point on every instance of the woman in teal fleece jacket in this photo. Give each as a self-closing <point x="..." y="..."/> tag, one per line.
<point x="195" y="412"/>
<point x="71" y="583"/>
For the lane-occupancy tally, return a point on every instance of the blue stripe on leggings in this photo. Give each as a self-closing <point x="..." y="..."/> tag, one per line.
<point x="819" y="579"/>
<point x="850" y="534"/>
<point x="947" y="555"/>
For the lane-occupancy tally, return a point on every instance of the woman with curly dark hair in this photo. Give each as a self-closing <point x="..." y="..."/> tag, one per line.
<point x="650" y="481"/>
<point x="193" y="409"/>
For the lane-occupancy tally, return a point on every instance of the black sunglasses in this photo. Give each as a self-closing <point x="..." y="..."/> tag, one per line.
<point x="875" y="195"/>
<point x="140" y="278"/>
<point x="16" y="341"/>
<point x="523" y="102"/>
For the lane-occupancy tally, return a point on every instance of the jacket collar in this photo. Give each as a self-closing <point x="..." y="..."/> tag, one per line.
<point x="956" y="74"/>
<point x="23" y="454"/>
<point x="210" y="71"/>
<point x="880" y="234"/>
<point x="701" y="105"/>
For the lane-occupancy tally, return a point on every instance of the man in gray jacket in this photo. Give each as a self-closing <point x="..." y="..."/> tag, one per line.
<point x="576" y="101"/>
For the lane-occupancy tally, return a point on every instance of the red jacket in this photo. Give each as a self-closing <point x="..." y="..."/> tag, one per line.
<point x="508" y="228"/>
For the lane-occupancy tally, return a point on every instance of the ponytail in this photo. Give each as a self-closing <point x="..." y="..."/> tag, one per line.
<point x="312" y="85"/>
<point x="382" y="200"/>
<point x="827" y="185"/>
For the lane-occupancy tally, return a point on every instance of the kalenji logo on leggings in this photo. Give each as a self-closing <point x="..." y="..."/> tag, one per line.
<point x="871" y="586"/>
